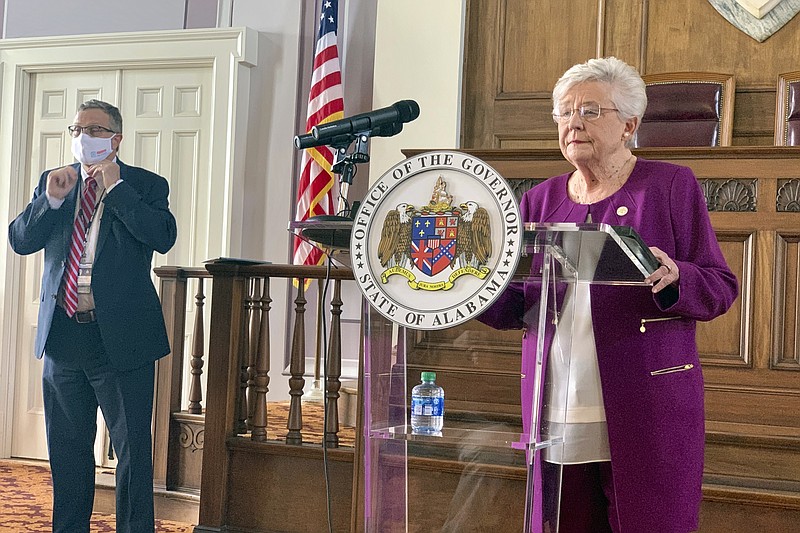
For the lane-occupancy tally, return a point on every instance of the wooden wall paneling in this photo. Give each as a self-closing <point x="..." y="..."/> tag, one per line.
<point x="786" y="352"/>
<point x="684" y="39"/>
<point x="761" y="405"/>
<point x="527" y="123"/>
<point x="728" y="512"/>
<point x="474" y="495"/>
<point x="516" y="50"/>
<point x="482" y="62"/>
<point x="774" y="461"/>
<point x="763" y="320"/>
<point x="541" y="40"/>
<point x="625" y="31"/>
<point x="725" y="340"/>
<point x="696" y="37"/>
<point x="463" y="356"/>
<point x="754" y="116"/>
<point x="273" y="487"/>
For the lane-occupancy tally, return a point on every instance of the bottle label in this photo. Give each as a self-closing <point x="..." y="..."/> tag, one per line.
<point x="427" y="406"/>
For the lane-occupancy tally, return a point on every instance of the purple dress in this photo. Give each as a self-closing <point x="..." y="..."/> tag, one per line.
<point x="655" y="417"/>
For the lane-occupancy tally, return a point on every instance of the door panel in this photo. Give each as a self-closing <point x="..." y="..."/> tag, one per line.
<point x="167" y="115"/>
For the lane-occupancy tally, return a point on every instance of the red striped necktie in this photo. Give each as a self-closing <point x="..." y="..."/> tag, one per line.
<point x="80" y="233"/>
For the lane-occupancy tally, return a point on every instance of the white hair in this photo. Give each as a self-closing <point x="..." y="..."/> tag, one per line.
<point x="627" y="88"/>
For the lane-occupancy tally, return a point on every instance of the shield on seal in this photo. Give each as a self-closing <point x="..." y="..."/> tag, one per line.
<point x="433" y="242"/>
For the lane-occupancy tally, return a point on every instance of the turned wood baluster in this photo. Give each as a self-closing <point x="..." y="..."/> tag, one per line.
<point x="254" y="320"/>
<point x="297" y="368"/>
<point x="198" y="349"/>
<point x="333" y="369"/>
<point x="242" y="421"/>
<point x="262" y="369"/>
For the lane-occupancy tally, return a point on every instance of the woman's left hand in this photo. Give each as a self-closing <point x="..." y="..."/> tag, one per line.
<point x="667" y="274"/>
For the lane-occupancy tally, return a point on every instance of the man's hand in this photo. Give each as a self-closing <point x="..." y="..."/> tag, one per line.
<point x="106" y="170"/>
<point x="60" y="181"/>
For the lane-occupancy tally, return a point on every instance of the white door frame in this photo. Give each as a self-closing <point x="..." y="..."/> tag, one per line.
<point x="231" y="53"/>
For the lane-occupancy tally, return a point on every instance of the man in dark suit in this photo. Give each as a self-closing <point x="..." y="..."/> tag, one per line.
<point x="100" y="322"/>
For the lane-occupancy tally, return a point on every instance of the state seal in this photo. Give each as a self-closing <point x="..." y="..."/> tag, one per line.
<point x="436" y="240"/>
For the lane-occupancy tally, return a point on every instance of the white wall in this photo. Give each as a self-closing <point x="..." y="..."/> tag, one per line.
<point x="288" y="30"/>
<point x="418" y="56"/>
<point x="270" y="154"/>
<point x="38" y="18"/>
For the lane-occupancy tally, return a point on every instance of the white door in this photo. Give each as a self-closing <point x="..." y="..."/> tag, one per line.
<point x="166" y="129"/>
<point x="54" y="100"/>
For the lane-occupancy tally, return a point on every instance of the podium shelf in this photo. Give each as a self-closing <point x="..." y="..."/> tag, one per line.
<point x="458" y="436"/>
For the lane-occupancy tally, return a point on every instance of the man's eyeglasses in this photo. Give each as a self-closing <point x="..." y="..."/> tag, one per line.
<point x="91" y="131"/>
<point x="587" y="112"/>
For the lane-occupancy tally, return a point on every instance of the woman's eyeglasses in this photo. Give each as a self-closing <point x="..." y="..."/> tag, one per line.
<point x="587" y="112"/>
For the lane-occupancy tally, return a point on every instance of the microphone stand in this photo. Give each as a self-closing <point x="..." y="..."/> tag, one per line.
<point x="345" y="166"/>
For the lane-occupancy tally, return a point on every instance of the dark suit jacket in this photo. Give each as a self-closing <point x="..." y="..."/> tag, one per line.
<point x="136" y="220"/>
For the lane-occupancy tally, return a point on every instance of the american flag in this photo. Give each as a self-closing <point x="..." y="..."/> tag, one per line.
<point x="325" y="103"/>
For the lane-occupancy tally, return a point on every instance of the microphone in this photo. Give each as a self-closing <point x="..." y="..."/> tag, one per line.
<point x="400" y="112"/>
<point x="307" y="140"/>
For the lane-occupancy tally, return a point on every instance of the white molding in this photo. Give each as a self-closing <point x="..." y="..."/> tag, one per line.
<point x="245" y="36"/>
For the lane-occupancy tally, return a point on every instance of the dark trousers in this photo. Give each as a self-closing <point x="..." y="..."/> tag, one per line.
<point x="77" y="378"/>
<point x="587" y="498"/>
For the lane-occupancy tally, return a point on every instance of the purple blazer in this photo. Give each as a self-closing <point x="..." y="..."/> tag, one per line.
<point x="655" y="419"/>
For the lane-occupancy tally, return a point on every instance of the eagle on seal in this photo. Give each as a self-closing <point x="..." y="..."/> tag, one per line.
<point x="474" y="244"/>
<point x="396" y="235"/>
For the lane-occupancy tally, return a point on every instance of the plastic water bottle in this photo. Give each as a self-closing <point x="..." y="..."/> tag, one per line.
<point x="427" y="406"/>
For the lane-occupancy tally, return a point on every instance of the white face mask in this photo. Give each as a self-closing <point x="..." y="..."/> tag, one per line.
<point x="91" y="150"/>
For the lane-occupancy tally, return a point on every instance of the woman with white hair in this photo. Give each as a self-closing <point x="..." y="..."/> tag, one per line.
<point x="633" y="427"/>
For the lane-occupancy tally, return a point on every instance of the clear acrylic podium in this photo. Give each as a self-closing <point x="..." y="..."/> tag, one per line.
<point x="494" y="472"/>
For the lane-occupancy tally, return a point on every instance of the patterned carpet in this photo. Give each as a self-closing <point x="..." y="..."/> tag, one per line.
<point x="26" y="504"/>
<point x="313" y="424"/>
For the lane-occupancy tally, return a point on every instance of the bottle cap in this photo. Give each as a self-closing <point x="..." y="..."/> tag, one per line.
<point x="429" y="376"/>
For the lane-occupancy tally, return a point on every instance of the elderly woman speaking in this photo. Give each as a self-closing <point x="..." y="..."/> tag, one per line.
<point x="632" y="460"/>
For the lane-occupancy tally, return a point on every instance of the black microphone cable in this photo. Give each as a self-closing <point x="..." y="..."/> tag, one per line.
<point x="321" y="316"/>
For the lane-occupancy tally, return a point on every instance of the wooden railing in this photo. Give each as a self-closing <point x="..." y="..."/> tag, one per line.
<point x="190" y="435"/>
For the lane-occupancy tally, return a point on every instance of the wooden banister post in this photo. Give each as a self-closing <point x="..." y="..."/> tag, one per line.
<point x="228" y="296"/>
<point x="169" y="369"/>
<point x="333" y="369"/>
<point x="254" y="327"/>
<point x="198" y="349"/>
<point x="262" y="369"/>
<point x="297" y="367"/>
